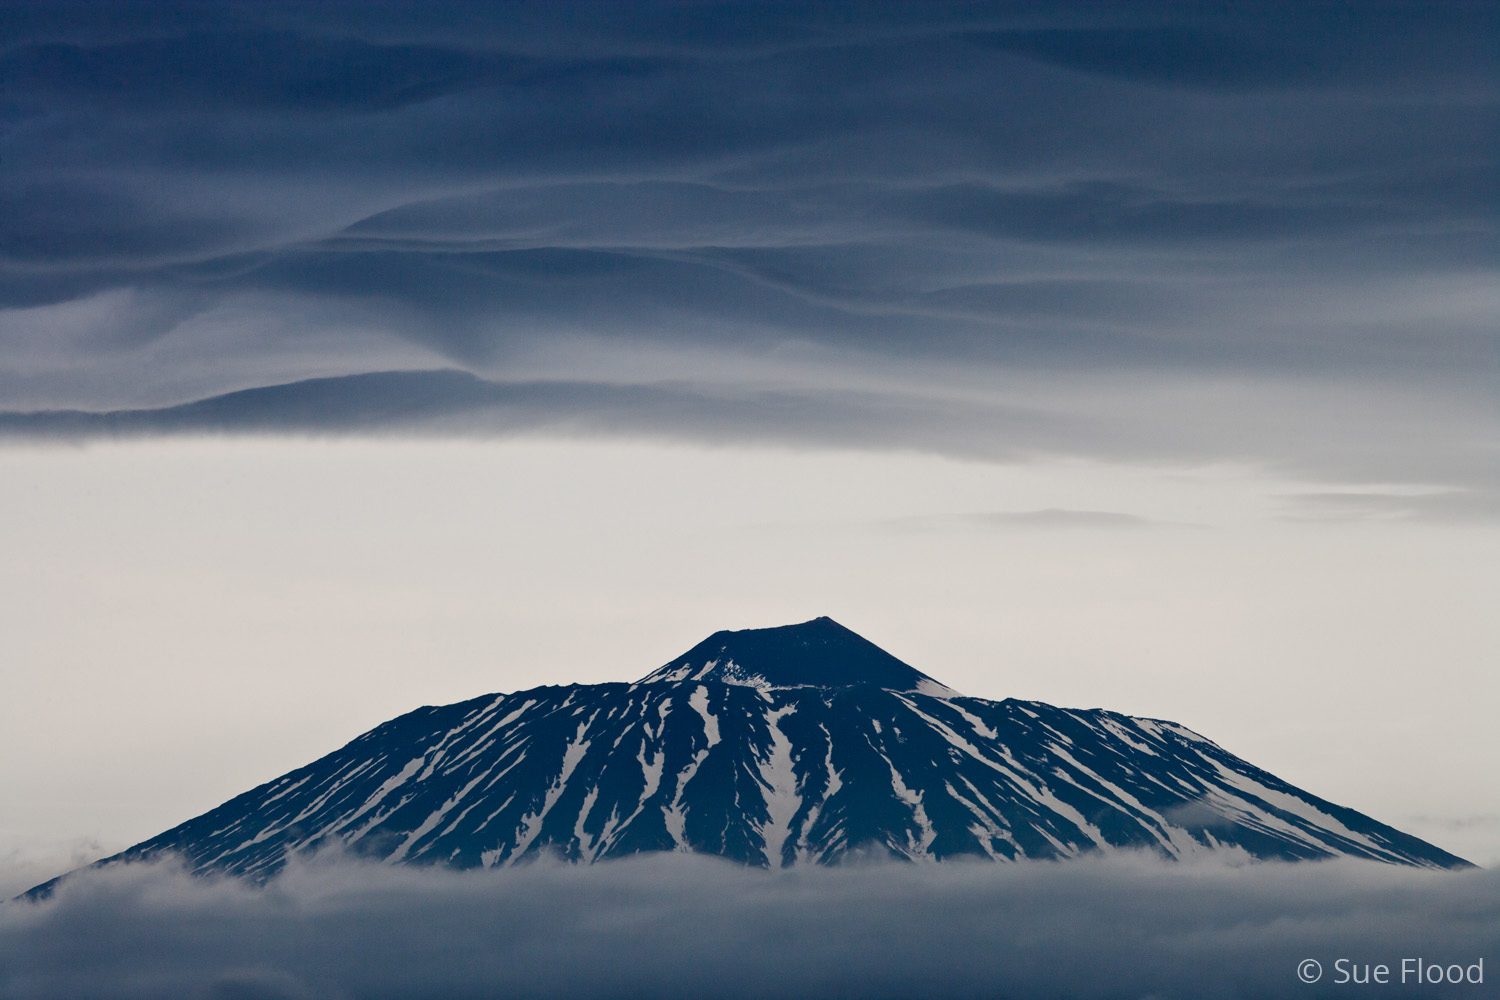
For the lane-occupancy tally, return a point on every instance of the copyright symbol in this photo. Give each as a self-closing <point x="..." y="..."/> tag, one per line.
<point x="1310" y="970"/>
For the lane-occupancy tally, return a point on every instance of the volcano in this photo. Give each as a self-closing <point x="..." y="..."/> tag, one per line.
<point x="803" y="744"/>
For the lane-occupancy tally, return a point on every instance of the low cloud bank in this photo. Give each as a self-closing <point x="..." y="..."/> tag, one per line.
<point x="678" y="926"/>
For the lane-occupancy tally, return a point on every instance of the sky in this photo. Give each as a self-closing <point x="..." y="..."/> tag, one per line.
<point x="1130" y="357"/>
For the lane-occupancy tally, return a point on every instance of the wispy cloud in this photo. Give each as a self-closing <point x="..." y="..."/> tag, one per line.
<point x="1050" y="517"/>
<point x="212" y="198"/>
<point x="24" y="864"/>
<point x="1443" y="506"/>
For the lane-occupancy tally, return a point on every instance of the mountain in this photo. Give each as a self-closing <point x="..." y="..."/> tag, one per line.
<point x="772" y="747"/>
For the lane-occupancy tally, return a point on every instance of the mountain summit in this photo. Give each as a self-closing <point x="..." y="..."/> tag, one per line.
<point x="819" y="653"/>
<point x="773" y="747"/>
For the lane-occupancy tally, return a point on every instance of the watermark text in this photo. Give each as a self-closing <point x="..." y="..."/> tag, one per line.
<point x="1405" y="971"/>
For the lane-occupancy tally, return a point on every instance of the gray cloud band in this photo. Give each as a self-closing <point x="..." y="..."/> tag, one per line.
<point x="204" y="199"/>
<point x="679" y="926"/>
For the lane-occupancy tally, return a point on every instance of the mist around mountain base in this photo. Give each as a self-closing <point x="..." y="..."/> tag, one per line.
<point x="676" y="925"/>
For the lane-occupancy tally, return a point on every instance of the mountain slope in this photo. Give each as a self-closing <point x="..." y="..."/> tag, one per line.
<point x="772" y="747"/>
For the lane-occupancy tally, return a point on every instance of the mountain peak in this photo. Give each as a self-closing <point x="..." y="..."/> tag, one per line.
<point x="817" y="653"/>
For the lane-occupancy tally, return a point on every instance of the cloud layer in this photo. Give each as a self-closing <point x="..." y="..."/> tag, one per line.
<point x="890" y="222"/>
<point x="677" y="926"/>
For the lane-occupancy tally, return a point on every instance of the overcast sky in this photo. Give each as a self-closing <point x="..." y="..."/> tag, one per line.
<point x="1142" y="357"/>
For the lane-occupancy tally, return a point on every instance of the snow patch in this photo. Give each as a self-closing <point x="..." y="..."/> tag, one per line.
<point x="913" y="798"/>
<point x="699" y="703"/>
<point x="780" y="781"/>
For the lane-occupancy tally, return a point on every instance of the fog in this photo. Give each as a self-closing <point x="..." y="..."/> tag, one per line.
<point x="686" y="926"/>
